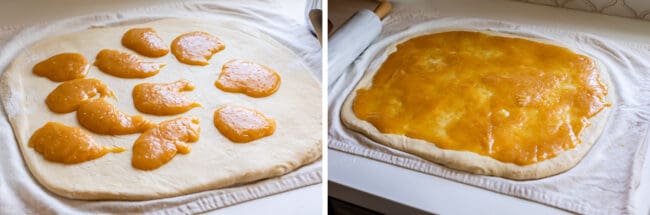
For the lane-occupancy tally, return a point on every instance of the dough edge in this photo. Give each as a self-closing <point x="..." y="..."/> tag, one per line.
<point x="469" y="161"/>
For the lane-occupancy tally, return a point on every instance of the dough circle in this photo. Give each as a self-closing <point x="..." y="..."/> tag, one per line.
<point x="469" y="161"/>
<point x="214" y="162"/>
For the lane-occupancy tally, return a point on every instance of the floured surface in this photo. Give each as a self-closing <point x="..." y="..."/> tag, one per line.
<point x="606" y="179"/>
<point x="464" y="159"/>
<point x="214" y="161"/>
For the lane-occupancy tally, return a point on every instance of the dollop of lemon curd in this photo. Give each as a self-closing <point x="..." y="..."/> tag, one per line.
<point x="159" y="145"/>
<point x="164" y="98"/>
<point x="145" y="41"/>
<point x="252" y="79"/>
<point x="69" y="95"/>
<point x="62" y="67"/>
<point x="66" y="144"/>
<point x="196" y="48"/>
<point x="241" y="125"/>
<point x="102" y="117"/>
<point x="125" y="65"/>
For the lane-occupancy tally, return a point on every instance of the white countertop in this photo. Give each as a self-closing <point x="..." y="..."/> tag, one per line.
<point x="373" y="184"/>
<point x="28" y="12"/>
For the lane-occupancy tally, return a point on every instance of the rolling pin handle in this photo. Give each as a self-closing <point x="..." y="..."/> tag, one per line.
<point x="383" y="9"/>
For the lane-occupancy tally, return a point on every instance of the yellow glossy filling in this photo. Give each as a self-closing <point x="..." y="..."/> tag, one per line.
<point x="144" y="41"/>
<point x="62" y="67"/>
<point x="125" y="65"/>
<point x="65" y="144"/>
<point x="163" y="98"/>
<point x="69" y="95"/>
<point x="241" y="124"/>
<point x="196" y="48"/>
<point x="252" y="79"/>
<point x="102" y="117"/>
<point x="158" y="145"/>
<point x="515" y="100"/>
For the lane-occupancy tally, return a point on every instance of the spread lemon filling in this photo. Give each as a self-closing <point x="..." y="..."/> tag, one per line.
<point x="163" y="98"/>
<point x="65" y="144"/>
<point x="241" y="125"/>
<point x="125" y="65"/>
<point x="62" y="67"/>
<point x="144" y="41"/>
<point x="196" y="48"/>
<point x="69" y="95"/>
<point x="158" y="145"/>
<point x="515" y="100"/>
<point x="102" y="117"/>
<point x="252" y="79"/>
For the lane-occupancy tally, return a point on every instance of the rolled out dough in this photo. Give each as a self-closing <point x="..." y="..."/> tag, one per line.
<point x="469" y="161"/>
<point x="214" y="161"/>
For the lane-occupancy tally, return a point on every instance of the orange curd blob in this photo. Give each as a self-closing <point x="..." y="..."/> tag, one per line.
<point x="515" y="100"/>
<point x="145" y="41"/>
<point x="62" y="67"/>
<point x="159" y="145"/>
<point x="196" y="48"/>
<point x="163" y="99"/>
<point x="69" y="95"/>
<point x="242" y="125"/>
<point x="65" y="144"/>
<point x="252" y="79"/>
<point x="125" y="65"/>
<point x="102" y="117"/>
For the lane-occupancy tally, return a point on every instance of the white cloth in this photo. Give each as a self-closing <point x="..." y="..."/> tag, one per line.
<point x="604" y="182"/>
<point x="637" y="9"/>
<point x="20" y="193"/>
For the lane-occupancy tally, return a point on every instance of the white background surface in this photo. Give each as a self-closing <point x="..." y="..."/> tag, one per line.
<point x="28" y="12"/>
<point x="441" y="196"/>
